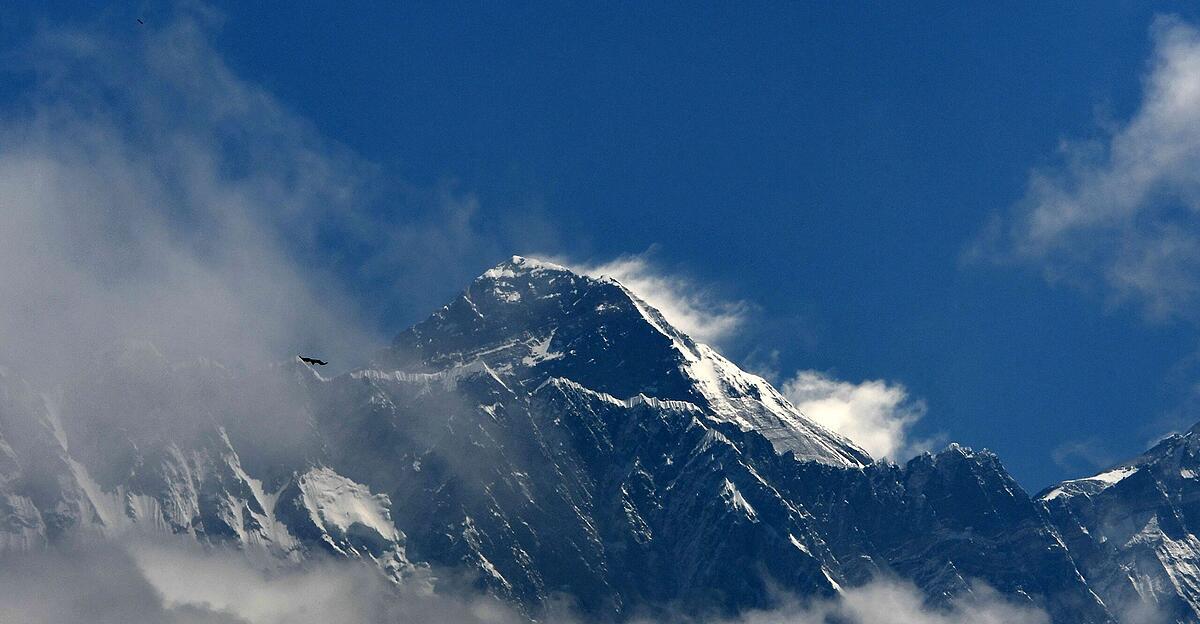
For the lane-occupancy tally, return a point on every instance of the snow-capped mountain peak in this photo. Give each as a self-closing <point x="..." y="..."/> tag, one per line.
<point x="529" y="320"/>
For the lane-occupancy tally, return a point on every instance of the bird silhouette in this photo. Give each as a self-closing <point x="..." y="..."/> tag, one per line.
<point x="308" y="360"/>
<point x="140" y="21"/>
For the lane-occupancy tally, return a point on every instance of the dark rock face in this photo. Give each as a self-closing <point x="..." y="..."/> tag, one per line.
<point x="1133" y="528"/>
<point x="553" y="436"/>
<point x="619" y="504"/>
<point x="944" y="522"/>
<point x="524" y="439"/>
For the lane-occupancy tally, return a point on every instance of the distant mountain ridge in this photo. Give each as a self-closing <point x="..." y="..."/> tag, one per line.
<point x="553" y="435"/>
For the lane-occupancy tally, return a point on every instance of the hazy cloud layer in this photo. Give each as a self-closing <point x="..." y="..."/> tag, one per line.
<point x="149" y="192"/>
<point x="878" y="416"/>
<point x="1122" y="212"/>
<point x="1083" y="456"/>
<point x="170" y="582"/>
<point x="175" y="583"/>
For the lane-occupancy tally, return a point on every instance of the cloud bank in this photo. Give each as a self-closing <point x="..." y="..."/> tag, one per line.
<point x="878" y="416"/>
<point x="886" y="602"/>
<point x="1121" y="213"/>
<point x="170" y="582"/>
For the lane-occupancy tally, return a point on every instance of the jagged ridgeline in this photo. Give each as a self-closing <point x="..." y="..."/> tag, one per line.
<point x="551" y="435"/>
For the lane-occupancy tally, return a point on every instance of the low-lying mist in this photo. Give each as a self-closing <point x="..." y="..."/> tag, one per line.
<point x="171" y="582"/>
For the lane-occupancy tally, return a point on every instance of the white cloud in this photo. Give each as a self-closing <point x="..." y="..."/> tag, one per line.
<point x="1123" y="212"/>
<point x="876" y="415"/>
<point x="902" y="604"/>
<point x="322" y="592"/>
<point x="890" y="602"/>
<point x="690" y="307"/>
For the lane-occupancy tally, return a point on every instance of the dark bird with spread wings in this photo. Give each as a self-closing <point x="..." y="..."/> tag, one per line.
<point x="308" y="360"/>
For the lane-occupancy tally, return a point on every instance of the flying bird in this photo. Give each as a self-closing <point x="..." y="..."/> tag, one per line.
<point x="140" y="21"/>
<point x="308" y="360"/>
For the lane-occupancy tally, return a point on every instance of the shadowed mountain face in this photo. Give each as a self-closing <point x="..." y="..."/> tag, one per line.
<point x="552" y="436"/>
<point x="1133" y="528"/>
<point x="530" y="322"/>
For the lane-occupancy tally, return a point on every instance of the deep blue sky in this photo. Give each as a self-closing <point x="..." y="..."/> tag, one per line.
<point x="828" y="162"/>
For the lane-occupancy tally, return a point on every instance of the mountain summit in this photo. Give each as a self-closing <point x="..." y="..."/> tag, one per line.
<point x="532" y="321"/>
<point x="550" y="435"/>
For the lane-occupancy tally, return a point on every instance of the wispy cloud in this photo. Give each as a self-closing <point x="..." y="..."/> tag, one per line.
<point x="686" y="304"/>
<point x="1083" y="456"/>
<point x="1122" y="212"/>
<point x="148" y="191"/>
<point x="875" y="414"/>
